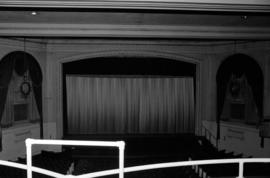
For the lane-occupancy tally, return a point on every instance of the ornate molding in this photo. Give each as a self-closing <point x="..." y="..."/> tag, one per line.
<point x="142" y="31"/>
<point x="194" y="5"/>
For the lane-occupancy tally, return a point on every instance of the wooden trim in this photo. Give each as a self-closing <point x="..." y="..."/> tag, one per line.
<point x="194" y="5"/>
<point x="141" y="31"/>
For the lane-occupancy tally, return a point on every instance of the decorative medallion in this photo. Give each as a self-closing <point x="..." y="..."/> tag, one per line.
<point x="25" y="88"/>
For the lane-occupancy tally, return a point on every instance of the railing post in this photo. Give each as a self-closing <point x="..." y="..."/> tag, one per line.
<point x="121" y="159"/>
<point x="29" y="158"/>
<point x="241" y="170"/>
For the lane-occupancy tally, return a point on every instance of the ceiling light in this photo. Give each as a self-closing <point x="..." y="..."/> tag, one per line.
<point x="33" y="13"/>
<point x="244" y="17"/>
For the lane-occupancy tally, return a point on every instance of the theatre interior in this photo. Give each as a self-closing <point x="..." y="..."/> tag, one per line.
<point x="175" y="80"/>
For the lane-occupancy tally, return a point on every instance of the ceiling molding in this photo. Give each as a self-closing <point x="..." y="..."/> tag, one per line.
<point x="136" y="31"/>
<point x="194" y="5"/>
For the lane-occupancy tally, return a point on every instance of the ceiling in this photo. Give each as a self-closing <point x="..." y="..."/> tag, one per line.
<point x="194" y="5"/>
<point x="29" y="21"/>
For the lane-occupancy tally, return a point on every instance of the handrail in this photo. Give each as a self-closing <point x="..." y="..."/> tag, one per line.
<point x="29" y="142"/>
<point x="178" y="164"/>
<point x="35" y="169"/>
<point x="121" y="170"/>
<point x="145" y="167"/>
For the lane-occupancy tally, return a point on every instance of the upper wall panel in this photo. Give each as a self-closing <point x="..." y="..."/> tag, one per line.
<point x="184" y="19"/>
<point x="135" y="24"/>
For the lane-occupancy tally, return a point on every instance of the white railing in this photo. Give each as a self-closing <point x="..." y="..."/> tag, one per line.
<point x="121" y="170"/>
<point x="30" y="142"/>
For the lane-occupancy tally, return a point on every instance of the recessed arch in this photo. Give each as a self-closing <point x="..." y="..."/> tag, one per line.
<point x="123" y="56"/>
<point x="129" y="53"/>
<point x="240" y="64"/>
<point x="20" y="62"/>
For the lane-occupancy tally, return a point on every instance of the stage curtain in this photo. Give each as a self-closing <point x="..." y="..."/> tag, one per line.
<point x="129" y="105"/>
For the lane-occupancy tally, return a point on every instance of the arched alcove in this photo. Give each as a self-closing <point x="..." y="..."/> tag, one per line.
<point x="240" y="89"/>
<point x="126" y="67"/>
<point x="24" y="65"/>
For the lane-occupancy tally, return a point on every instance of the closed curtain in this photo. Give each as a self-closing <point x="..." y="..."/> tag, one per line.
<point x="129" y="105"/>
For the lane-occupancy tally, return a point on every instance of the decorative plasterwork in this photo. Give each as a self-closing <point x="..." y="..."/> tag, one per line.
<point x="142" y="31"/>
<point x="201" y="5"/>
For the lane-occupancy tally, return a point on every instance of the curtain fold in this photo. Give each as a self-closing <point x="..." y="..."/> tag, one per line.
<point x="6" y="68"/>
<point x="19" y="62"/>
<point x="107" y="105"/>
<point x="36" y="77"/>
<point x="14" y="97"/>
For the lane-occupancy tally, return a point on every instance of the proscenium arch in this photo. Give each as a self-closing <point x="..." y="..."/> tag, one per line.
<point x="239" y="64"/>
<point x="132" y="53"/>
<point x="141" y="55"/>
<point x="20" y="61"/>
<point x="129" y="53"/>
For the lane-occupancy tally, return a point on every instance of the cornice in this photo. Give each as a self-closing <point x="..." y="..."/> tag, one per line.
<point x="193" y="5"/>
<point x="19" y="44"/>
<point x="140" y="31"/>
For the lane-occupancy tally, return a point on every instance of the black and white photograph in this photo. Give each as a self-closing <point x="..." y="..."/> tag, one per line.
<point x="134" y="88"/>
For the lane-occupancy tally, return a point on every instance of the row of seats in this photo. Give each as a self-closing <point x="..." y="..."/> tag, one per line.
<point x="58" y="162"/>
<point x="140" y="151"/>
<point x="88" y="165"/>
<point x="205" y="150"/>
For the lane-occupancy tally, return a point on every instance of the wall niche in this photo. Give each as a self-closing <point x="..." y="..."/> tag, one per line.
<point x="239" y="90"/>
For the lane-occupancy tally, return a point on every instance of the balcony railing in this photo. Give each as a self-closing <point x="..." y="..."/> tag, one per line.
<point x="121" y="170"/>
